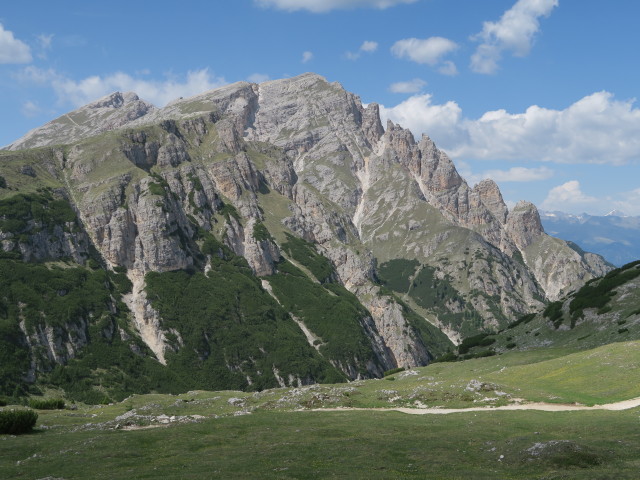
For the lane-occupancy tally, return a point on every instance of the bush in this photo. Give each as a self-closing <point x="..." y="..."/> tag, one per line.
<point x="393" y="370"/>
<point x="46" y="403"/>
<point x="306" y="254"/>
<point x="480" y="340"/>
<point x="260" y="233"/>
<point x="522" y="320"/>
<point x="554" y="313"/>
<point x="447" y="357"/>
<point x="15" y="422"/>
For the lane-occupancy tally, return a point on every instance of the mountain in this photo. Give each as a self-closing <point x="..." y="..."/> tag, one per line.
<point x="614" y="236"/>
<point x="603" y="311"/>
<point x="249" y="237"/>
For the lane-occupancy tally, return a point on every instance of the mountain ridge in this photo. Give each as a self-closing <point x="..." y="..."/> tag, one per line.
<point x="262" y="182"/>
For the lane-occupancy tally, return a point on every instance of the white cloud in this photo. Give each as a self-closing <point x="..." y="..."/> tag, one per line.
<point x="567" y="197"/>
<point x="81" y="92"/>
<point x="258" y="78"/>
<point x="323" y="6"/>
<point x="30" y="109"/>
<point x="366" y="47"/>
<point x="514" y="33"/>
<point x="514" y="174"/>
<point x="427" y="51"/>
<point x="45" y="41"/>
<point x="570" y="198"/>
<point x="412" y="86"/>
<point x="596" y="129"/>
<point x="443" y="123"/>
<point x="448" y="68"/>
<point x="628" y="202"/>
<point x="369" y="46"/>
<point x="307" y="56"/>
<point x="13" y="50"/>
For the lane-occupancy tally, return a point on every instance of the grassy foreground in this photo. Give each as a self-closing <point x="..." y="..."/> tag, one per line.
<point x="272" y="434"/>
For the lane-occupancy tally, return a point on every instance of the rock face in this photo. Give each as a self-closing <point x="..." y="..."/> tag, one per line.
<point x="108" y="113"/>
<point x="249" y="166"/>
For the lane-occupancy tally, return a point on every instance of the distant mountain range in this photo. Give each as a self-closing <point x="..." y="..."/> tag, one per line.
<point x="614" y="236"/>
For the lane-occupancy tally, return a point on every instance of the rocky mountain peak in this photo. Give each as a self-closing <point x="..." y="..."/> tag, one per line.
<point x="491" y="197"/>
<point x="107" y="113"/>
<point x="523" y="224"/>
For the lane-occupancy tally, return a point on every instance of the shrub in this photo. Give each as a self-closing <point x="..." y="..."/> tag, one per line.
<point x="306" y="254"/>
<point x="260" y="233"/>
<point x="447" y="357"/>
<point x="393" y="370"/>
<point x="3" y="182"/>
<point x="480" y="340"/>
<point x="156" y="189"/>
<point x="15" y="422"/>
<point x="46" y="403"/>
<point x="524" y="319"/>
<point x="554" y="313"/>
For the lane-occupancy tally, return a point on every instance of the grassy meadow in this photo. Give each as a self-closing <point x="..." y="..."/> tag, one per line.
<point x="278" y="434"/>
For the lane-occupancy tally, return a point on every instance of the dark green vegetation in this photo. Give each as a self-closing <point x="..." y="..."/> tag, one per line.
<point x="78" y="301"/>
<point x="423" y="285"/>
<point x="46" y="403"/>
<point x="598" y="293"/>
<point x="604" y="310"/>
<point x="18" y="211"/>
<point x="231" y="329"/>
<point x="305" y="253"/>
<point x="330" y="312"/>
<point x="15" y="422"/>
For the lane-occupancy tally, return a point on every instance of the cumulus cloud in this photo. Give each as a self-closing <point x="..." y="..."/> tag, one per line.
<point x="567" y="197"/>
<point x="323" y="6"/>
<point x="412" y="86"/>
<point x="366" y="47"/>
<point x="595" y="129"/>
<point x="514" y="174"/>
<point x="13" y="50"/>
<point x="448" y="68"/>
<point x="369" y="46"/>
<point x="258" y="78"/>
<point x="514" y="33"/>
<point x="443" y="123"/>
<point x="628" y="202"/>
<point x="30" y="109"/>
<point x="160" y="93"/>
<point x="45" y="41"/>
<point x="427" y="51"/>
<point x="307" y="56"/>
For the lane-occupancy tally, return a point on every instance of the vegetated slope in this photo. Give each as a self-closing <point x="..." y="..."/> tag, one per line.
<point x="603" y="311"/>
<point x="613" y="236"/>
<point x="182" y="224"/>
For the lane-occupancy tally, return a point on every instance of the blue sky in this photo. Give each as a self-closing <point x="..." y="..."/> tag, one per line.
<point x="539" y="95"/>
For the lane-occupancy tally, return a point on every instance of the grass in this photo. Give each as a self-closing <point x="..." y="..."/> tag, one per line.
<point x="262" y="435"/>
<point x="306" y="445"/>
<point x="607" y="374"/>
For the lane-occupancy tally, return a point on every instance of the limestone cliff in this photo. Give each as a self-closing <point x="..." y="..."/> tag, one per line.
<point x="240" y="171"/>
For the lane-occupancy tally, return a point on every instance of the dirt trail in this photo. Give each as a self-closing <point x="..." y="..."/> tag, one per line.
<point x="546" y="407"/>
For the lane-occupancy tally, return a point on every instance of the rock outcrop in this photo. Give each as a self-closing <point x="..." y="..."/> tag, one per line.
<point x="247" y="165"/>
